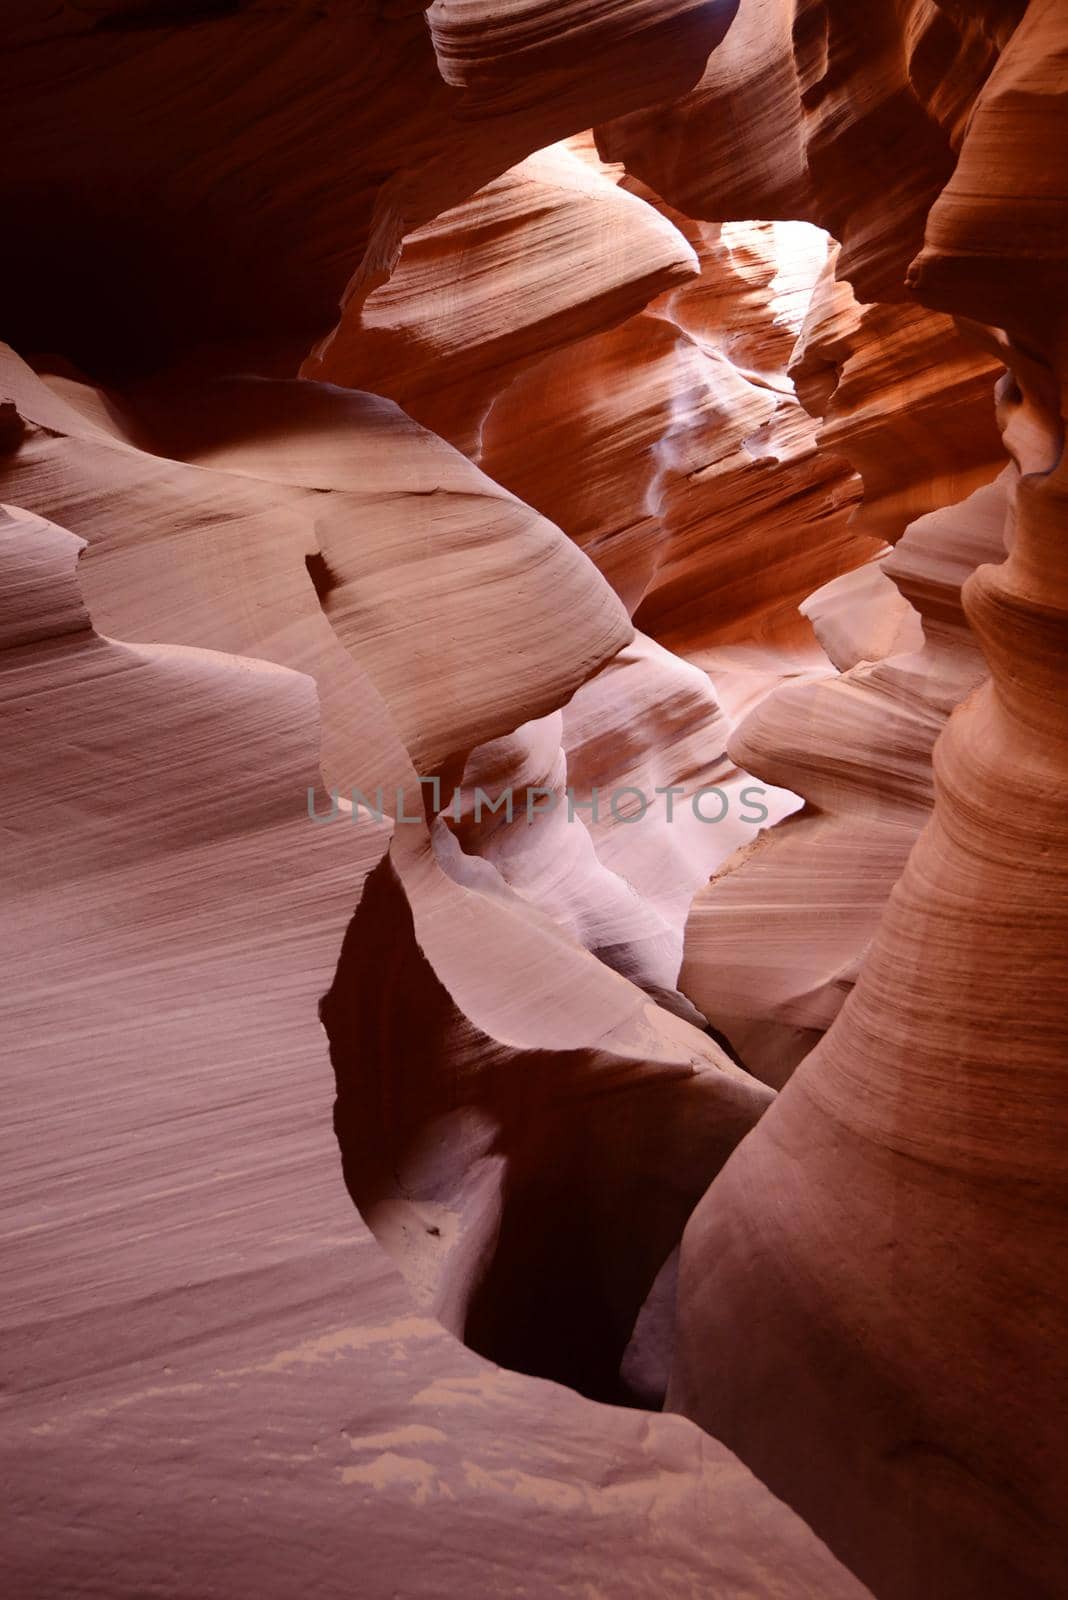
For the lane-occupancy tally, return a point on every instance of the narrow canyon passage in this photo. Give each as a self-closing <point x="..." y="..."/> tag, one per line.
<point x="533" y="629"/>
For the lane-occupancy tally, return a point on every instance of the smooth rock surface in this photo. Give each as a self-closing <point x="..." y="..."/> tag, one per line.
<point x="213" y="1374"/>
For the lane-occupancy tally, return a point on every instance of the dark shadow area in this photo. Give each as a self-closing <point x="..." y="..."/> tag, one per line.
<point x="533" y="1198"/>
<point x="167" y="14"/>
<point x="323" y="578"/>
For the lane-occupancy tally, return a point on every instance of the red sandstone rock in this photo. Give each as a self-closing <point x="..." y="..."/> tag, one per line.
<point x="255" y="478"/>
<point x="774" y="942"/>
<point x="674" y="450"/>
<point x="904" y="397"/>
<point x="479" y="293"/>
<point x="211" y="1367"/>
<point x="216" y="1377"/>
<point x="887" y="1250"/>
<point x="810" y="111"/>
<point x="918" y="1154"/>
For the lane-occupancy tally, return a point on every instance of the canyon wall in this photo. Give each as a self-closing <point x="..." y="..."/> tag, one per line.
<point x="534" y="607"/>
<point x="885" y="1254"/>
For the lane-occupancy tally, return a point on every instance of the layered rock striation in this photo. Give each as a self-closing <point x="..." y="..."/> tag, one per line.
<point x="566" y="659"/>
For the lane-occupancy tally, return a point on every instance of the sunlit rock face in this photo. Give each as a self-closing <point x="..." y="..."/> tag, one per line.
<point x="532" y="673"/>
<point x="479" y="293"/>
<point x="676" y="448"/>
<point x="775" y="940"/>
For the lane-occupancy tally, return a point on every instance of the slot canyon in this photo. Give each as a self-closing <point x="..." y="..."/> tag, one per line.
<point x="534" y="714"/>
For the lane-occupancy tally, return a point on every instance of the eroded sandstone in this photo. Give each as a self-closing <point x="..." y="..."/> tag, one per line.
<point x="420" y="448"/>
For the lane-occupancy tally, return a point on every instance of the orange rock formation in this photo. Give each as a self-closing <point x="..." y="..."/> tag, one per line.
<point x="533" y="606"/>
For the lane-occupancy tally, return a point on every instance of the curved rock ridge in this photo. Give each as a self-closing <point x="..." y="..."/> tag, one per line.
<point x="583" y="432"/>
<point x="993" y="247"/>
<point x="904" y="396"/>
<point x="635" y="802"/>
<point x="675" y="452"/>
<point x="190" y="509"/>
<point x="210" y="1364"/>
<point x="804" y="113"/>
<point x="514" y="53"/>
<point x="755" y="514"/>
<point x="774" y="942"/>
<point x="650" y="728"/>
<point x="479" y="293"/>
